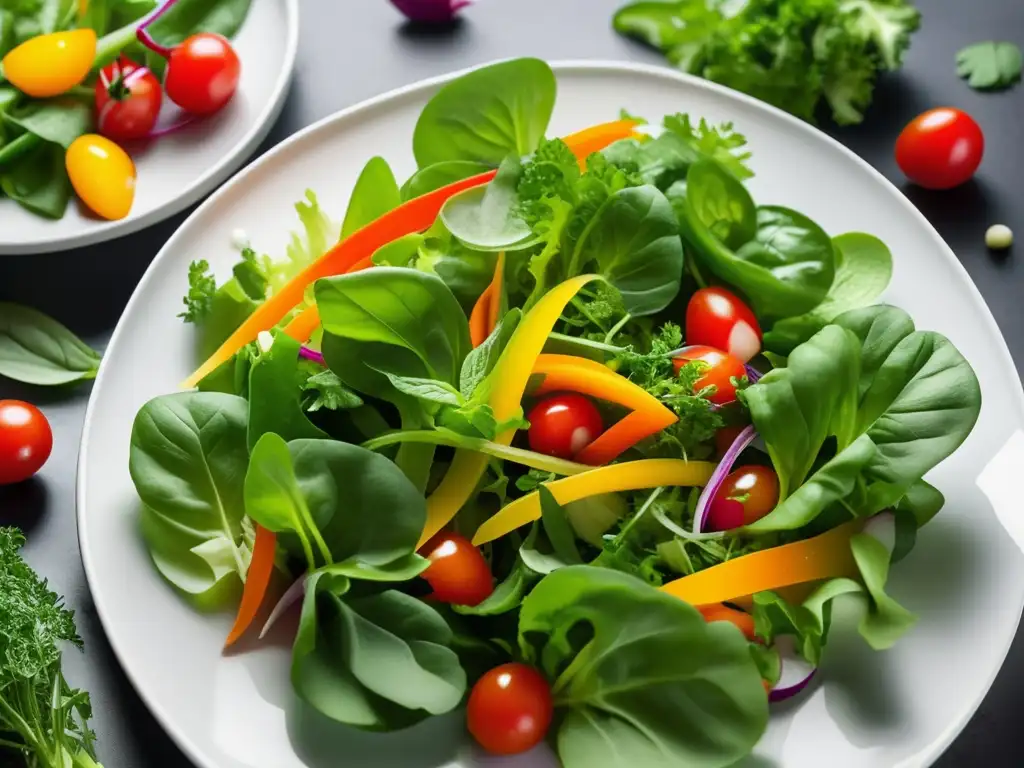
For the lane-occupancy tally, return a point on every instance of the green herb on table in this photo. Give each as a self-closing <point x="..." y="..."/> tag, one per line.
<point x="43" y="720"/>
<point x="989" y="65"/>
<point x="36" y="349"/>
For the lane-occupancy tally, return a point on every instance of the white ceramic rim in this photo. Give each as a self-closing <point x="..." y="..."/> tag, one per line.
<point x="927" y="756"/>
<point x="219" y="172"/>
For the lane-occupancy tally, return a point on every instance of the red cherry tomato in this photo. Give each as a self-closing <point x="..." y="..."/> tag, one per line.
<point x="723" y="367"/>
<point x="458" y="572"/>
<point x="509" y="709"/>
<point x="747" y="494"/>
<point x="25" y="441"/>
<point x="563" y="425"/>
<point x="202" y="73"/>
<point x="717" y="318"/>
<point x="940" y="148"/>
<point x="127" y="100"/>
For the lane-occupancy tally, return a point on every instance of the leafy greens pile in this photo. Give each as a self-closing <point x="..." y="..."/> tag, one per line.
<point x="794" y="54"/>
<point x="338" y="457"/>
<point x="44" y="723"/>
<point x="34" y="133"/>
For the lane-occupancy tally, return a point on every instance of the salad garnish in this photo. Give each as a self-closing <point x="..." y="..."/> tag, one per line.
<point x="570" y="429"/>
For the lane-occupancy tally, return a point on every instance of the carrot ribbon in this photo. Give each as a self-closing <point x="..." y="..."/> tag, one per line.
<point x="257" y="581"/>
<point x="487" y="310"/>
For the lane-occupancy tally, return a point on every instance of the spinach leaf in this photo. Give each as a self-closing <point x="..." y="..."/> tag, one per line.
<point x="431" y="391"/>
<point x="381" y="662"/>
<point x="398" y="308"/>
<point x="863" y="270"/>
<point x="188" y="461"/>
<point x="375" y="193"/>
<point x="36" y="349"/>
<point x="556" y="526"/>
<point x="779" y="258"/>
<point x="440" y="175"/>
<point x="923" y="501"/>
<point x="38" y="181"/>
<point x="275" y="394"/>
<point x="367" y="510"/>
<point x="187" y="17"/>
<point x="634" y="241"/>
<point x="60" y="120"/>
<point x="274" y="500"/>
<point x="507" y="596"/>
<point x="886" y="620"/>
<point x="485" y="217"/>
<point x="640" y="678"/>
<point x="914" y="401"/>
<point x="487" y="114"/>
<point x="481" y="360"/>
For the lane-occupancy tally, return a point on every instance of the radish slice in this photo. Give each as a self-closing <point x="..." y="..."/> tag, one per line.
<point x="293" y="594"/>
<point x="700" y="514"/>
<point x="796" y="672"/>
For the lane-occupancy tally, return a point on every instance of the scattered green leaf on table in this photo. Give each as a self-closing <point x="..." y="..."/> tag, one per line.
<point x="36" y="349"/>
<point x="990" y="65"/>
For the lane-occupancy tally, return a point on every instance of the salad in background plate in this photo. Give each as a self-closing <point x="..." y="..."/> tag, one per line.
<point x="568" y="430"/>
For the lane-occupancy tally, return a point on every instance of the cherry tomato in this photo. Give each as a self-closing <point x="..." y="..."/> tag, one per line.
<point x="127" y="100"/>
<point x="562" y="425"/>
<point x="25" y="441"/>
<point x="717" y="318"/>
<point x="722" y="368"/>
<point x="202" y="73"/>
<point x="102" y="174"/>
<point x="940" y="148"/>
<point x="509" y="709"/>
<point x="747" y="494"/>
<point x="458" y="572"/>
<point x="49" y="65"/>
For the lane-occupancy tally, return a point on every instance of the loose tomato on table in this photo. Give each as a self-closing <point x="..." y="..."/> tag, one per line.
<point x="25" y="441"/>
<point x="722" y="369"/>
<point x="202" y="73"/>
<point x="128" y="98"/>
<point x="718" y="318"/>
<point x="457" y="573"/>
<point x="510" y="709"/>
<point x="562" y="425"/>
<point x="940" y="148"/>
<point x="747" y="494"/>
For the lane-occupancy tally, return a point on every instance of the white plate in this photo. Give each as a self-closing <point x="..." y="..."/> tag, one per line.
<point x="178" y="169"/>
<point x="965" y="577"/>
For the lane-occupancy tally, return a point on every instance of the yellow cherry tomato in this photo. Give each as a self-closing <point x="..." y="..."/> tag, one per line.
<point x="102" y="174"/>
<point x="49" y="65"/>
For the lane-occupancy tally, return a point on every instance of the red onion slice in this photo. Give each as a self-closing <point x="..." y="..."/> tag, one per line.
<point x="307" y="353"/>
<point x="753" y="374"/>
<point x="431" y="11"/>
<point x="796" y="672"/>
<point x="292" y="595"/>
<point x="700" y="514"/>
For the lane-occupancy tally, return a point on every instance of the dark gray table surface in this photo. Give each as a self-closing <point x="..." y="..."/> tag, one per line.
<point x="350" y="50"/>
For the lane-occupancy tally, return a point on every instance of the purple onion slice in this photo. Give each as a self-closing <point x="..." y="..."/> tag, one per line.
<point x="307" y="353"/>
<point x="292" y="595"/>
<point x="431" y="11"/>
<point x="797" y="673"/>
<point x="753" y="375"/>
<point x="700" y="514"/>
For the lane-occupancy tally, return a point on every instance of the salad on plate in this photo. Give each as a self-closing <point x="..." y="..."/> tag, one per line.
<point x="565" y="430"/>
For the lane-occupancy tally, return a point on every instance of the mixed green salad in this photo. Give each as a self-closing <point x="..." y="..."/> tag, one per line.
<point x="568" y="430"/>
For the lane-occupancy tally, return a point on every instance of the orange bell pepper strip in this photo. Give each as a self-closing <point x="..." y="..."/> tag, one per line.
<point x="416" y="215"/>
<point x="257" y="580"/>
<point x="503" y="390"/>
<point x="588" y="377"/>
<point x="487" y="310"/>
<point x="722" y="612"/>
<point x="823" y="557"/>
<point x="628" y="476"/>
<point x="301" y="326"/>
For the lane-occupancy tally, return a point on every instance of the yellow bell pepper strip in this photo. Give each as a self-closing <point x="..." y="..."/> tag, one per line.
<point x="257" y="581"/>
<point x="356" y="251"/>
<point x="487" y="310"/>
<point x="588" y="377"/>
<point x="822" y="557"/>
<point x="628" y="476"/>
<point x="414" y="216"/>
<point x="49" y="65"/>
<point x="503" y="390"/>
<point x="530" y="459"/>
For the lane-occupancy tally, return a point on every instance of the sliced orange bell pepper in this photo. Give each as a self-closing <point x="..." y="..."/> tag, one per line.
<point x="822" y="557"/>
<point x="721" y="612"/>
<point x="257" y="581"/>
<point x="416" y="215"/>
<point x="503" y="390"/>
<point x="487" y="310"/>
<point x="589" y="377"/>
<point x="628" y="476"/>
